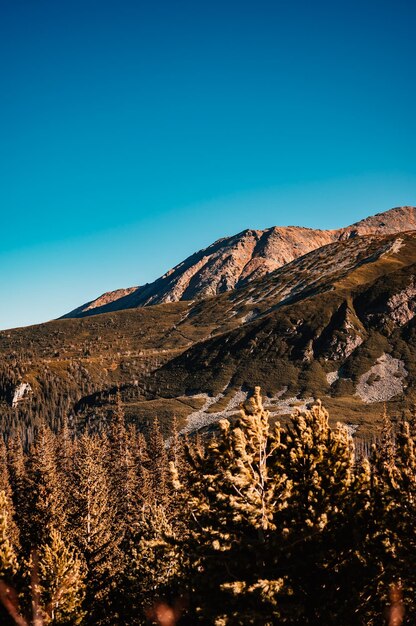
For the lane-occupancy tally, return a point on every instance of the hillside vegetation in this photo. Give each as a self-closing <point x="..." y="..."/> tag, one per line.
<point x="257" y="525"/>
<point x="336" y="323"/>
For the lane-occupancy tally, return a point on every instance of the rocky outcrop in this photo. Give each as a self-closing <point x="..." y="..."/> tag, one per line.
<point x="401" y="306"/>
<point x="102" y="301"/>
<point x="20" y="393"/>
<point x="346" y="342"/>
<point x="397" y="220"/>
<point x="383" y="381"/>
<point x="233" y="262"/>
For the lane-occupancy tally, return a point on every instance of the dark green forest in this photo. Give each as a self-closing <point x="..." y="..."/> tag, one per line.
<point x="254" y="523"/>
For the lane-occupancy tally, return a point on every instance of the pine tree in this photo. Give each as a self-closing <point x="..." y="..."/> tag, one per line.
<point x="158" y="465"/>
<point x="44" y="493"/>
<point x="61" y="582"/>
<point x="17" y="476"/>
<point x="320" y="549"/>
<point x="8" y="556"/>
<point x="93" y="525"/>
<point x="238" y="490"/>
<point x="390" y="545"/>
<point x="6" y="487"/>
<point x="8" y="564"/>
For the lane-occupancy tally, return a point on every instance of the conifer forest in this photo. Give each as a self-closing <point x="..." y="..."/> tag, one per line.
<point x="255" y="523"/>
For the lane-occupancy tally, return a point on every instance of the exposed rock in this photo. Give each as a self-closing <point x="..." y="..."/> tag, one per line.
<point x="234" y="261"/>
<point x="402" y="306"/>
<point x="352" y="429"/>
<point x="255" y="335"/>
<point x="288" y="405"/>
<point x="203" y="418"/>
<point x="308" y="352"/>
<point x="252" y="315"/>
<point x="226" y="264"/>
<point x="102" y="301"/>
<point x="396" y="245"/>
<point x="345" y="336"/>
<point x="383" y="381"/>
<point x="20" y="393"/>
<point x="332" y="377"/>
<point x="397" y="220"/>
<point x="343" y="348"/>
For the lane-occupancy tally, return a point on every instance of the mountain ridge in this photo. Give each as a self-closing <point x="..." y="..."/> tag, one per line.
<point x="232" y="262"/>
<point x="338" y="323"/>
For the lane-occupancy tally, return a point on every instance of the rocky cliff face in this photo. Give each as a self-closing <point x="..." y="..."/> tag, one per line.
<point x="234" y="261"/>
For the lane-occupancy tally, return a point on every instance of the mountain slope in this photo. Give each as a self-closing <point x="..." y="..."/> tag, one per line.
<point x="338" y="323"/>
<point x="232" y="262"/>
<point x="345" y="332"/>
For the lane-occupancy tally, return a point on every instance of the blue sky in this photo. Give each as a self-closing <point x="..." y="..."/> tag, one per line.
<point x="133" y="133"/>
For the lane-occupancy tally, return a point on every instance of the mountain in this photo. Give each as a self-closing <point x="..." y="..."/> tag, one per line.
<point x="338" y="323"/>
<point x="233" y="262"/>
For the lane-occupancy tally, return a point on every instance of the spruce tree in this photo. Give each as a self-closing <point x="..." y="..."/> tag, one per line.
<point x="155" y="565"/>
<point x="238" y="490"/>
<point x="8" y="556"/>
<point x="405" y="518"/>
<point x="119" y="463"/>
<point x="158" y="465"/>
<point x="390" y="545"/>
<point x="8" y="564"/>
<point x="154" y="557"/>
<point x="93" y="526"/>
<point x="44" y="493"/>
<point x="320" y="553"/>
<point x="61" y="582"/>
<point x="142" y="462"/>
<point x="17" y="476"/>
<point x="136" y="481"/>
<point x="6" y="487"/>
<point x="64" y="451"/>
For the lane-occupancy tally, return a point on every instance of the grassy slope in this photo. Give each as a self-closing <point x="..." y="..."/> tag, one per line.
<point x="160" y="354"/>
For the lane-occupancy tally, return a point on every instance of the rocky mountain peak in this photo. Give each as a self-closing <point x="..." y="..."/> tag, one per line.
<point x="231" y="262"/>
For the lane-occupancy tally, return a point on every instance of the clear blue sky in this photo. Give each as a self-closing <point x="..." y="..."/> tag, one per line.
<point x="133" y="133"/>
